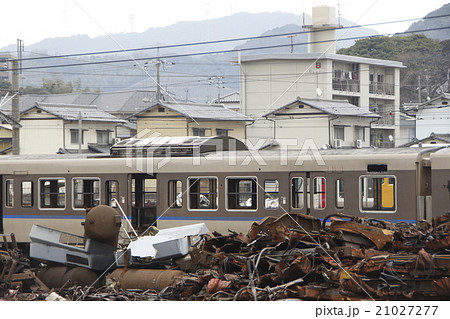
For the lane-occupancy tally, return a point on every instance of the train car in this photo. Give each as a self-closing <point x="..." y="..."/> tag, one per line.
<point x="369" y="183"/>
<point x="439" y="188"/>
<point x="226" y="190"/>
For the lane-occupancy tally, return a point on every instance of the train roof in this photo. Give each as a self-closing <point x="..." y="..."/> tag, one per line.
<point x="241" y="162"/>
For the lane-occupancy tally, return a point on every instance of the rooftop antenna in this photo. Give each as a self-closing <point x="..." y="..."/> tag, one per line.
<point x="339" y="12"/>
<point x="131" y="17"/>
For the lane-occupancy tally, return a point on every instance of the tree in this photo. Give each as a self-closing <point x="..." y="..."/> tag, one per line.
<point x="5" y="86"/>
<point x="426" y="58"/>
<point x="57" y="86"/>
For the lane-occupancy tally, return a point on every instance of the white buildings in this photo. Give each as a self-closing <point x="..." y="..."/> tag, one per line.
<point x="50" y="128"/>
<point x="433" y="117"/>
<point x="326" y="122"/>
<point x="270" y="81"/>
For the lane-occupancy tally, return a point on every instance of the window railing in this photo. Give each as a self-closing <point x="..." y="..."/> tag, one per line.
<point x="346" y="85"/>
<point x="381" y="88"/>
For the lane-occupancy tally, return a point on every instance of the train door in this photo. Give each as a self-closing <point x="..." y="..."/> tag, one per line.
<point x="143" y="200"/>
<point x="308" y="192"/>
<point x="300" y="189"/>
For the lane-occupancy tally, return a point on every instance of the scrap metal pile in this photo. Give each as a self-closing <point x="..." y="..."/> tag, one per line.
<point x="297" y="256"/>
<point x="293" y="256"/>
<point x="16" y="275"/>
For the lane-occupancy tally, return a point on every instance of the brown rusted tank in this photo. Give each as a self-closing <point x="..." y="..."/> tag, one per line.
<point x="102" y="224"/>
<point x="57" y="276"/>
<point x="144" y="279"/>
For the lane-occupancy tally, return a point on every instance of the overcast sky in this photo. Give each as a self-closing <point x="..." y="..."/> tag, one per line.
<point x="33" y="21"/>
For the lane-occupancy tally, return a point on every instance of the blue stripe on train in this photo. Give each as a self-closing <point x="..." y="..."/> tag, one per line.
<point x="45" y="217"/>
<point x="193" y="218"/>
<point x="250" y="219"/>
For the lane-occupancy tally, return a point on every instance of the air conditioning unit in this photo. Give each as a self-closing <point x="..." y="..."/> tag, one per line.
<point x="116" y="140"/>
<point x="358" y="144"/>
<point x="337" y="143"/>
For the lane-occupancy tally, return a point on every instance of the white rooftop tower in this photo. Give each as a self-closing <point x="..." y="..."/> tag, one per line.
<point x="322" y="30"/>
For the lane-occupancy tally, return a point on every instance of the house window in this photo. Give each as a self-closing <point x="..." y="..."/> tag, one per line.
<point x="297" y="192"/>
<point x="52" y="193"/>
<point x="86" y="192"/>
<point x="175" y="193"/>
<point x="161" y="110"/>
<point x="203" y="193"/>
<point x="27" y="194"/>
<point x="319" y="195"/>
<point x="339" y="132"/>
<point x="103" y="137"/>
<point x="112" y="192"/>
<point x="198" y="131"/>
<point x="377" y="193"/>
<point x="74" y="137"/>
<point x="242" y="193"/>
<point x="339" y="200"/>
<point x="9" y="193"/>
<point x="360" y="133"/>
<point x="221" y="132"/>
<point x="271" y="194"/>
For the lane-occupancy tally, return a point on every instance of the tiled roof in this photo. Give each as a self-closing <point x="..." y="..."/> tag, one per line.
<point x="234" y="97"/>
<point x="444" y="138"/>
<point x="71" y="112"/>
<point x="333" y="107"/>
<point x="113" y="102"/>
<point x="215" y="112"/>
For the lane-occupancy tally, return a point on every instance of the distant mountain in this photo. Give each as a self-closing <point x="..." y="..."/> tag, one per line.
<point x="189" y="77"/>
<point x="229" y="27"/>
<point x="434" y="23"/>
<point x="299" y="41"/>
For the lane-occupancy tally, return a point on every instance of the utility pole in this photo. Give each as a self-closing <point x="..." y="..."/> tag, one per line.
<point x="158" y="62"/>
<point x="16" y="70"/>
<point x="217" y="81"/>
<point x="158" y="80"/>
<point x="80" y="132"/>
<point x="420" y="91"/>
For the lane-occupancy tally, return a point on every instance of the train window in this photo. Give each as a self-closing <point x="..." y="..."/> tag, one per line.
<point x="112" y="192"/>
<point x="175" y="193"/>
<point x="339" y="199"/>
<point x="86" y="192"/>
<point x="319" y="195"/>
<point x="378" y="193"/>
<point x="242" y="193"/>
<point x="271" y="194"/>
<point x="52" y="193"/>
<point x="297" y="192"/>
<point x="149" y="192"/>
<point x="27" y="194"/>
<point x="9" y="193"/>
<point x="202" y="193"/>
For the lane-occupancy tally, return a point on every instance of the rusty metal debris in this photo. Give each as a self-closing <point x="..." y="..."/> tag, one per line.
<point x="293" y="256"/>
<point x="15" y="272"/>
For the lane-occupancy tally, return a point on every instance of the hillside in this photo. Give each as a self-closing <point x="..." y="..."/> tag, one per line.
<point x="434" y="23"/>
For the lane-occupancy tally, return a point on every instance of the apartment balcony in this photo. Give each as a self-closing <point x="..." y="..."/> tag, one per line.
<point x="381" y="88"/>
<point x="346" y="85"/>
<point x="386" y="119"/>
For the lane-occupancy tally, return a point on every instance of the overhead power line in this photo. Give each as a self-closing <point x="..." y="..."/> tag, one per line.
<point x="212" y="52"/>
<point x="171" y="46"/>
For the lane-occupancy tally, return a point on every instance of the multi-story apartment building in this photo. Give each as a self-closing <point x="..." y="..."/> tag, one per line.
<point x="269" y="81"/>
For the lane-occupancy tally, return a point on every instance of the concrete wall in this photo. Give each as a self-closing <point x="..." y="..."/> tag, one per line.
<point x="43" y="136"/>
<point x="432" y="120"/>
<point x="43" y="133"/>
